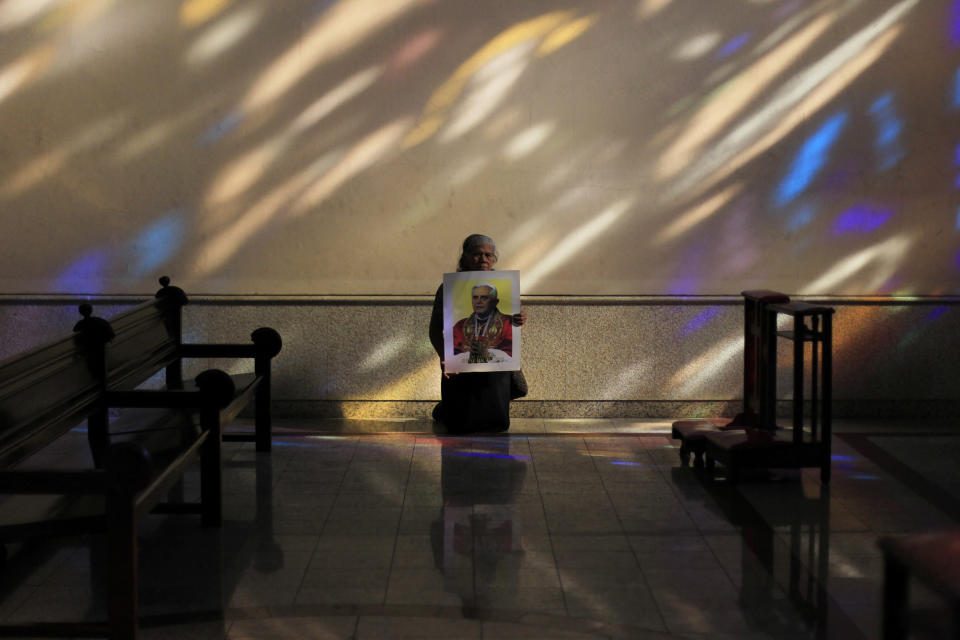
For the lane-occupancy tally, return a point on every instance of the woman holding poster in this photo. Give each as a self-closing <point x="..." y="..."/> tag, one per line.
<point x="480" y="369"/>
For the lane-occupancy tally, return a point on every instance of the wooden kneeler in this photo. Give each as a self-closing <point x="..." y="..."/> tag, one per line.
<point x="758" y="340"/>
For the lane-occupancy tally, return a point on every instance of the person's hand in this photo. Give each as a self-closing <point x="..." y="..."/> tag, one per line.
<point x="443" y="370"/>
<point x="519" y="319"/>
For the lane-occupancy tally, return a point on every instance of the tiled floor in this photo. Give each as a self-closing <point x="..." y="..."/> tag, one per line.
<point x="562" y="529"/>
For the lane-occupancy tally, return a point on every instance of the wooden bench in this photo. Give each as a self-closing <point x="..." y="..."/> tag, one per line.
<point x="149" y="340"/>
<point x="933" y="559"/>
<point x="48" y="391"/>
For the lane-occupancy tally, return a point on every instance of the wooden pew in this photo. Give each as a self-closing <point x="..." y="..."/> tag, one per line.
<point x="46" y="392"/>
<point x="931" y="558"/>
<point x="149" y="340"/>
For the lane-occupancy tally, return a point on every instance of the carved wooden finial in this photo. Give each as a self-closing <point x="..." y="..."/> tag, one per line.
<point x="171" y="293"/>
<point x="217" y="386"/>
<point x="268" y="341"/>
<point x="93" y="330"/>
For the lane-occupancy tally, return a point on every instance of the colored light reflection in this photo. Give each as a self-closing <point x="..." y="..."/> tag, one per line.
<point x="936" y="312"/>
<point x="734" y="45"/>
<point x="481" y="454"/>
<point x="887" y="142"/>
<point x="810" y="159"/>
<point x="85" y="275"/>
<point x="861" y="219"/>
<point x="286" y="443"/>
<point x="158" y="243"/>
<point x="221" y="128"/>
<point x="956" y="90"/>
<point x="700" y="320"/>
<point x="954" y="24"/>
<point x="801" y="218"/>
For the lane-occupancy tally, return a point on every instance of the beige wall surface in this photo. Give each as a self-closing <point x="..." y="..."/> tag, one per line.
<point x="623" y="357"/>
<point x="628" y="147"/>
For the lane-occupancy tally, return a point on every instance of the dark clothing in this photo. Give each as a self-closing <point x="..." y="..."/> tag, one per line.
<point x="469" y="402"/>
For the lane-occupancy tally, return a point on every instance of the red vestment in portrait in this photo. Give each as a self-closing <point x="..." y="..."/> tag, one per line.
<point x="474" y="335"/>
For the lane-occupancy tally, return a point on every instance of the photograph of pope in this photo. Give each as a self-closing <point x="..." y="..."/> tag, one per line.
<point x="485" y="329"/>
<point x="481" y="332"/>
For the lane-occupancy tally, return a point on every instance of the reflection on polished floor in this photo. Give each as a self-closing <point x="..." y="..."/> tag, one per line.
<point x="561" y="529"/>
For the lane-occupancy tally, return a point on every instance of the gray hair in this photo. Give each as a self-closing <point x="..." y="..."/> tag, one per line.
<point x="473" y="241"/>
<point x="493" y="290"/>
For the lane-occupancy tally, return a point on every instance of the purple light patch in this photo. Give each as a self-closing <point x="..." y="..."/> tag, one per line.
<point x="956" y="258"/>
<point x="861" y="219"/>
<point x="936" y="312"/>
<point x="684" y="285"/>
<point x="784" y="11"/>
<point x="734" y="45"/>
<point x="955" y="22"/>
<point x="701" y="319"/>
<point x="85" y="275"/>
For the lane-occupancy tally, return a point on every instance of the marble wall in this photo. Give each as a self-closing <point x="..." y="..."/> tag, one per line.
<point x="369" y="356"/>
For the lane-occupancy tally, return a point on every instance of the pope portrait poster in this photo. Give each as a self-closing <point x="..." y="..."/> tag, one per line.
<point x="477" y="332"/>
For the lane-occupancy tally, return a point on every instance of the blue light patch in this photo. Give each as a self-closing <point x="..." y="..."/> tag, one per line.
<point x="220" y="129"/>
<point x="734" y="45"/>
<point x="801" y="218"/>
<point x="158" y="243"/>
<point x="861" y="219"/>
<point x="85" y="275"/>
<point x="839" y="458"/>
<point x="810" y="159"/>
<point x="887" y="142"/>
<point x="625" y="463"/>
<point x="286" y="443"/>
<point x="480" y="454"/>
<point x="956" y="90"/>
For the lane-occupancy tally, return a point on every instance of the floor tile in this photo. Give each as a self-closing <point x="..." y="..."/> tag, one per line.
<point x="565" y="529"/>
